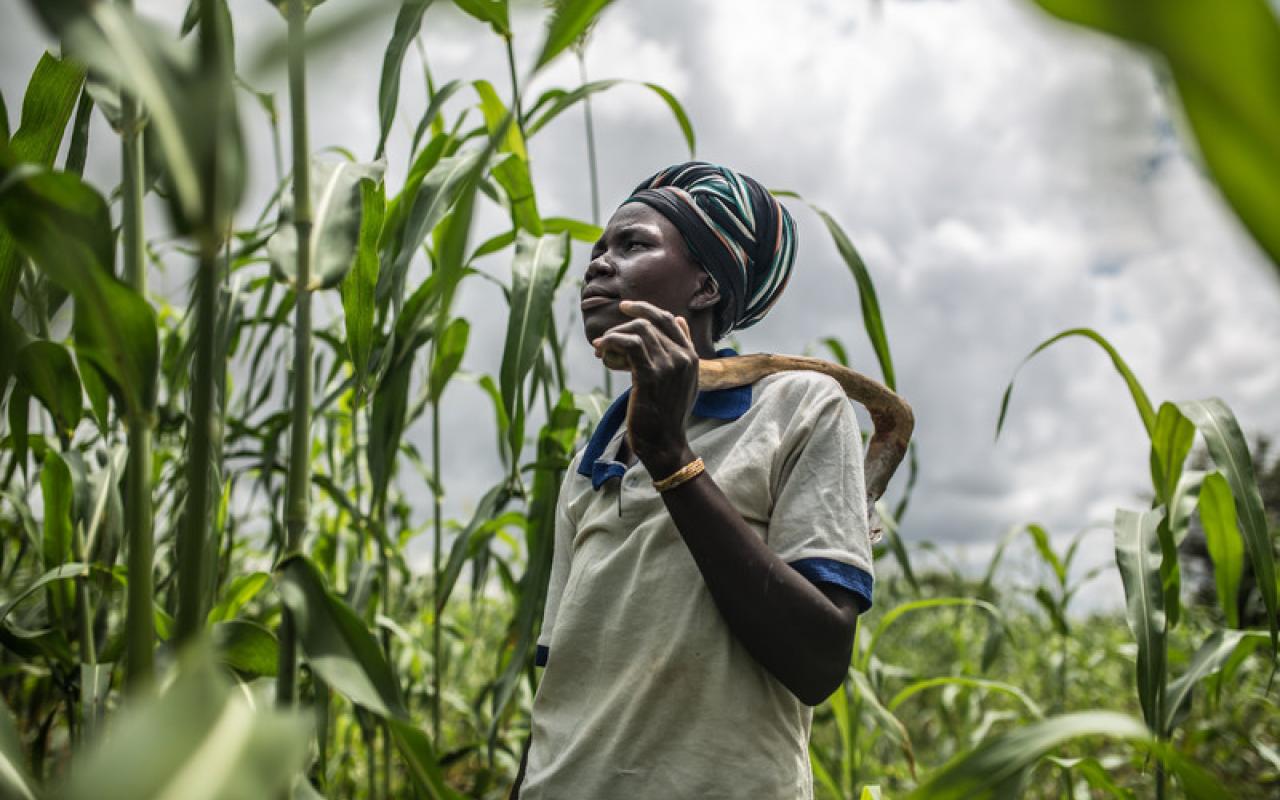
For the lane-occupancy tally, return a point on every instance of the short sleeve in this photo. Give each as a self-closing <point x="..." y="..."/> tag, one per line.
<point x="818" y="524"/>
<point x="560" y="560"/>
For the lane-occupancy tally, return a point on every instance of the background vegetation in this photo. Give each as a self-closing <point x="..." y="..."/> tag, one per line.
<point x="205" y="510"/>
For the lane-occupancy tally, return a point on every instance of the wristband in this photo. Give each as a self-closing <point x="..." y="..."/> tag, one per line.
<point x="686" y="473"/>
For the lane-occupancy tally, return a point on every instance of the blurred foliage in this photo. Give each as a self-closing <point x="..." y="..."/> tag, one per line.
<point x="281" y="573"/>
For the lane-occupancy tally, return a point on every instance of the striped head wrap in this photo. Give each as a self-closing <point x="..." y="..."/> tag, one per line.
<point x="735" y="230"/>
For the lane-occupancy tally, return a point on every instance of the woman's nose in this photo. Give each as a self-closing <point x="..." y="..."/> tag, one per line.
<point x="599" y="265"/>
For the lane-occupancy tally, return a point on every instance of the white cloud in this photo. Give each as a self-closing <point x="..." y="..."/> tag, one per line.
<point x="1004" y="176"/>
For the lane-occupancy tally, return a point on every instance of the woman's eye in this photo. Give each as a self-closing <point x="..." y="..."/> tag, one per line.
<point x="635" y="245"/>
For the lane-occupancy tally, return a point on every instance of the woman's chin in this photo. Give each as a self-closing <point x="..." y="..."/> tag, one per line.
<point x="596" y="324"/>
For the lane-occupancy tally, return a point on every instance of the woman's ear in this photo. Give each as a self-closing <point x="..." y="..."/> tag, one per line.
<point x="707" y="294"/>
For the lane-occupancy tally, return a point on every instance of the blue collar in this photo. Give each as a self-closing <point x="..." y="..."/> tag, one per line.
<point x="726" y="404"/>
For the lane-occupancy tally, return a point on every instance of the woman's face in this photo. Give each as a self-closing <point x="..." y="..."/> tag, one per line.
<point x="640" y="256"/>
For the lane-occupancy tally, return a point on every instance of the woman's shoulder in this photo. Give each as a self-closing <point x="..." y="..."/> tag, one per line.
<point x="801" y="386"/>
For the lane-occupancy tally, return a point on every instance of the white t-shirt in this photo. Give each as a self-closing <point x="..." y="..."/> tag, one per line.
<point x="646" y="692"/>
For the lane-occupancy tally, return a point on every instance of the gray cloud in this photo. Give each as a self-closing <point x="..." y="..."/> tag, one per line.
<point x="1003" y="176"/>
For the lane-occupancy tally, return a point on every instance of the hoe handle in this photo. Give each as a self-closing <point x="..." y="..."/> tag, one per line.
<point x="890" y="414"/>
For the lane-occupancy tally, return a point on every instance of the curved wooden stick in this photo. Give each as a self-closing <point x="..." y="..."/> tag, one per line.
<point x="890" y="414"/>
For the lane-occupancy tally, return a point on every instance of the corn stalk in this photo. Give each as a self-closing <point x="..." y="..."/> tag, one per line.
<point x="140" y="631"/>
<point x="296" y="498"/>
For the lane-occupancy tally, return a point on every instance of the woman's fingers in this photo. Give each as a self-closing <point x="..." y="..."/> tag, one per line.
<point x="668" y="323"/>
<point x="630" y="345"/>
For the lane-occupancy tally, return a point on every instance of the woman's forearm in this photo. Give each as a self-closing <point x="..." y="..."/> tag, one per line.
<point x="803" y="638"/>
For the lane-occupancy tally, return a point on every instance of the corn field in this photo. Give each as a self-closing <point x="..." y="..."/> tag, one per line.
<point x="207" y="500"/>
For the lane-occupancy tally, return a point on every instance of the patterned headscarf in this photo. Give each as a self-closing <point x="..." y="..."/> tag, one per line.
<point x="735" y="230"/>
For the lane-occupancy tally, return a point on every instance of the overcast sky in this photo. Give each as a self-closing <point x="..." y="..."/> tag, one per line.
<point x="1003" y="176"/>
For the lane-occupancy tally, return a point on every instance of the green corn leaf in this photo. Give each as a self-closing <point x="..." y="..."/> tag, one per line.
<point x="4" y="119"/>
<point x="436" y="194"/>
<point x="61" y="572"/>
<point x="1170" y="444"/>
<point x="1041" y="539"/>
<point x="1054" y="610"/>
<point x="64" y="226"/>
<point x="12" y="339"/>
<point x="432" y="112"/>
<point x="451" y="252"/>
<point x="19" y="415"/>
<point x="886" y="720"/>
<point x="1225" y="61"/>
<point x="98" y="393"/>
<point x="78" y="149"/>
<point x="469" y="539"/>
<point x="837" y="350"/>
<point x="1216" y="651"/>
<point x="58" y="493"/>
<point x="493" y="12"/>
<point x="46" y="109"/>
<point x="569" y="20"/>
<point x="554" y="441"/>
<point x="450" y="348"/>
<point x="495" y="115"/>
<point x="391" y="397"/>
<point x="838" y="702"/>
<point x="677" y="111"/>
<point x="1170" y="574"/>
<point x="558" y="100"/>
<point x="246" y="647"/>
<point x="1225" y="545"/>
<point x="1138" y="555"/>
<point x="1230" y="453"/>
<point x="335" y="640"/>
<point x="538" y="264"/>
<point x="577" y="229"/>
<point x="512" y="174"/>
<point x="337" y="200"/>
<point x="190" y="104"/>
<point x="896" y="544"/>
<point x="899" y="611"/>
<point x="872" y="319"/>
<point x="237" y="594"/>
<point x="822" y="776"/>
<point x="342" y="651"/>
<point x="196" y="741"/>
<point x="998" y="766"/>
<point x="1094" y="774"/>
<point x="408" y="23"/>
<point x="1185" y="499"/>
<point x="47" y="372"/>
<point x="359" y="287"/>
<point x="912" y="689"/>
<point x="421" y="760"/>
<point x="386" y="427"/>
<point x="15" y="780"/>
<point x="1140" y="400"/>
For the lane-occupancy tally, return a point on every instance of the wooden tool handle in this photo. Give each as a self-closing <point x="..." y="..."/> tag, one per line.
<point x="890" y="414"/>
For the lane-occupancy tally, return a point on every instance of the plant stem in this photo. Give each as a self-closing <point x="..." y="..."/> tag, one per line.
<point x="593" y="171"/>
<point x="297" y="497"/>
<point x="140" y="626"/>
<point x="195" y="523"/>
<point x="516" y="110"/>
<point x="437" y="572"/>
<point x="591" y="140"/>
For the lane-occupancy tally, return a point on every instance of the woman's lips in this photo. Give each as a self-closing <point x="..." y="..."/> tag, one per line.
<point x="596" y="301"/>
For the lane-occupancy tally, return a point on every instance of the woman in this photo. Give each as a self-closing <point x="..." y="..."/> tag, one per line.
<point x="711" y="553"/>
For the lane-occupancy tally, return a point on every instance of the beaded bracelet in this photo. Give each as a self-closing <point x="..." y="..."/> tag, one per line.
<point x="686" y="473"/>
